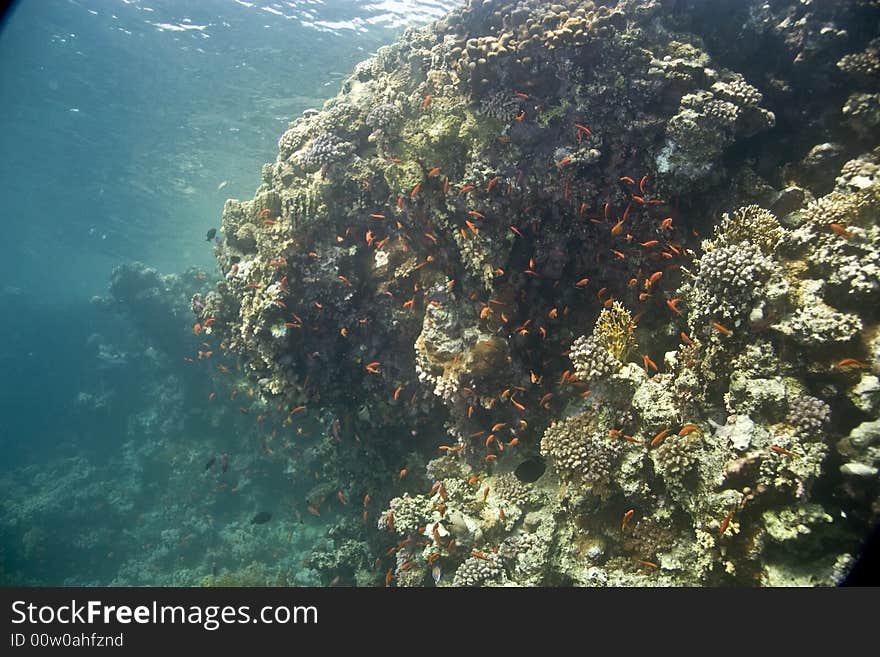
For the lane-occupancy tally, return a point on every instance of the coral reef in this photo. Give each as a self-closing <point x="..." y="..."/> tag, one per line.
<point x="421" y="265"/>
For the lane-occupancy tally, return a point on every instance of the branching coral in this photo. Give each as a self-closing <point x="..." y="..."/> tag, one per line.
<point x="751" y="223"/>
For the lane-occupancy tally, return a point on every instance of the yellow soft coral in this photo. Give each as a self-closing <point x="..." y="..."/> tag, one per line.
<point x="614" y="331"/>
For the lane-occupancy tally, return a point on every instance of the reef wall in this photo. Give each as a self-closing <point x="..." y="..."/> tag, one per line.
<point x="633" y="240"/>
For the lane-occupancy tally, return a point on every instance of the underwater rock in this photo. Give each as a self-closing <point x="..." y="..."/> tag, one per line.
<point x="862" y="446"/>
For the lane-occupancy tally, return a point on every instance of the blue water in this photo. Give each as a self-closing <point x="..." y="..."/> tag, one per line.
<point x="126" y="124"/>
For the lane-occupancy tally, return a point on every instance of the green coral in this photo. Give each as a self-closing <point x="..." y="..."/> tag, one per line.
<point x="555" y="113"/>
<point x="402" y="177"/>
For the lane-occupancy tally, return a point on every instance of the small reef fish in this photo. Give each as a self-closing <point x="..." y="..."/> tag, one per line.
<point x="210" y="463"/>
<point x="222" y="185"/>
<point x="211" y="234"/>
<point x="436" y="573"/>
<point x="261" y="518"/>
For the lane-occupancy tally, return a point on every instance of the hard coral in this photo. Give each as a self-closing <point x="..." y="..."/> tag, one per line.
<point x="730" y="281"/>
<point x="479" y="571"/>
<point x="751" y="223"/>
<point x="592" y="360"/>
<point x="809" y="415"/>
<point x="325" y="149"/>
<point x="580" y="454"/>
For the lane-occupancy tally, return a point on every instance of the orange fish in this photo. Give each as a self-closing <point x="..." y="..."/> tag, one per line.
<point x="673" y="305"/>
<point x="840" y="230"/>
<point x="851" y="362"/>
<point x="721" y="329"/>
<point x="659" y="437"/>
<point x="197" y="328"/>
<point x="427" y="103"/>
<point x="726" y="522"/>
